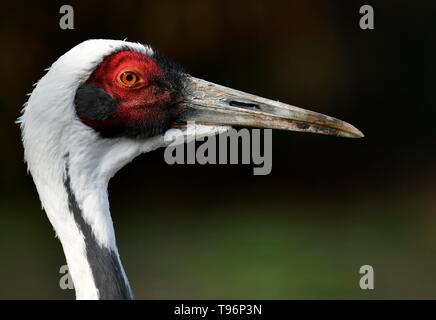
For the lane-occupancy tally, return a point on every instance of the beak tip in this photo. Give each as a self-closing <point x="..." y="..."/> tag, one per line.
<point x="356" y="133"/>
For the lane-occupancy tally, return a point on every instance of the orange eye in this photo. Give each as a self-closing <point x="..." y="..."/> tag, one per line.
<point x="129" y="79"/>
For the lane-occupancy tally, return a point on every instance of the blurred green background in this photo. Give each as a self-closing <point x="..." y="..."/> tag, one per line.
<point x="329" y="206"/>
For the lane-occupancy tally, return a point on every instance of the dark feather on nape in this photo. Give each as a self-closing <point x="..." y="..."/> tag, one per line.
<point x="174" y="74"/>
<point x="93" y="103"/>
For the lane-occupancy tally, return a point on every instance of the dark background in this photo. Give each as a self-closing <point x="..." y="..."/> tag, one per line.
<point x="329" y="206"/>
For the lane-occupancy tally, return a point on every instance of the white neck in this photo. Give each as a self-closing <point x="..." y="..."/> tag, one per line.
<point x="71" y="172"/>
<point x="88" y="204"/>
<point x="75" y="198"/>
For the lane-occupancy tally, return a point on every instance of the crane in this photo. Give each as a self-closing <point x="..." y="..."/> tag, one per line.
<point x="100" y="105"/>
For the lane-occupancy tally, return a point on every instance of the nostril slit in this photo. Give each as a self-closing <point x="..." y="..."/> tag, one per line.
<point x="244" y="105"/>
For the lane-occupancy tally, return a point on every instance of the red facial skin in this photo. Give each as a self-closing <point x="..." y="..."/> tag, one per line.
<point x="150" y="104"/>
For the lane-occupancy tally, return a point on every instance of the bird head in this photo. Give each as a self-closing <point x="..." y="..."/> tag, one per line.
<point x="111" y="99"/>
<point x="140" y="95"/>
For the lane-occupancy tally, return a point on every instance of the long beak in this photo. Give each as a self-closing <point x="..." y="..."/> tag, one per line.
<point x="212" y="104"/>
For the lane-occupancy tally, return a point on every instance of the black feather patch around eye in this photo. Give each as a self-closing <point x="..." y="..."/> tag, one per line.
<point x="93" y="103"/>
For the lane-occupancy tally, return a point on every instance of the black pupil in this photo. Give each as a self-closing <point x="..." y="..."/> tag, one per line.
<point x="129" y="77"/>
